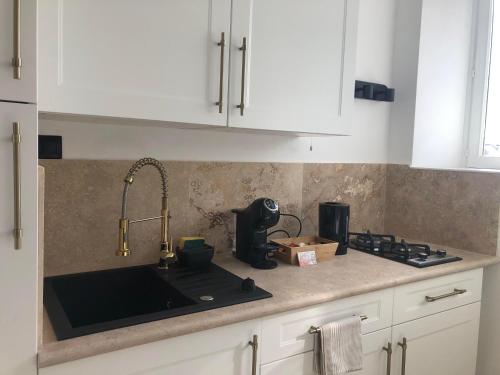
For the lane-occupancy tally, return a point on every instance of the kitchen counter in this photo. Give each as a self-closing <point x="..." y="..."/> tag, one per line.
<point x="292" y="288"/>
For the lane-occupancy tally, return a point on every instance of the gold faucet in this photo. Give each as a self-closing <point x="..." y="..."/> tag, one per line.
<point x="167" y="255"/>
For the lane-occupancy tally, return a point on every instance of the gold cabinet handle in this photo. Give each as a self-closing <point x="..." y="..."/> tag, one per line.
<point x="404" y="346"/>
<point x="388" y="350"/>
<point x="222" y="45"/>
<point x="255" y="346"/>
<point x="16" y="60"/>
<point x="455" y="292"/>
<point x="16" y="141"/>
<point x="243" y="48"/>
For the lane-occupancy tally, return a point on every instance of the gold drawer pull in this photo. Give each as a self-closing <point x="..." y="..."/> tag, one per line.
<point x="388" y="350"/>
<point x="314" y="329"/>
<point x="16" y="142"/>
<point x="16" y="60"/>
<point x="255" y="347"/>
<point x="404" y="346"/>
<point x="451" y="294"/>
<point x="222" y="45"/>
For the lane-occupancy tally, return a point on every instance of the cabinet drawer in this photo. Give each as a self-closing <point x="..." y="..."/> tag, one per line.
<point x="432" y="296"/>
<point x="374" y="358"/>
<point x="300" y="364"/>
<point x="287" y="334"/>
<point x="221" y="351"/>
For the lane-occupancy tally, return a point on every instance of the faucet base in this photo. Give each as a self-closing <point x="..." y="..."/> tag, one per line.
<point x="163" y="264"/>
<point x="122" y="253"/>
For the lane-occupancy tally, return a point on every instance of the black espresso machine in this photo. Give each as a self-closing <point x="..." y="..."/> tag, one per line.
<point x="252" y="224"/>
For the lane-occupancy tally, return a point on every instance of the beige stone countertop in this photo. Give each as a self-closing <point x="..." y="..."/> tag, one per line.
<point x="292" y="288"/>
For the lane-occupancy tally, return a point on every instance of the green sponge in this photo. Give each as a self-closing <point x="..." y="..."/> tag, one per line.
<point x="191" y="242"/>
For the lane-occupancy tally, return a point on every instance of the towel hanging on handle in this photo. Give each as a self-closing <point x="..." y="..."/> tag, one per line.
<point x="338" y="348"/>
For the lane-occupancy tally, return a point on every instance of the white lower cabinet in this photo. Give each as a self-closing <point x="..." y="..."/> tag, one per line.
<point x="18" y="257"/>
<point x="374" y="360"/>
<point x="440" y="344"/>
<point x="221" y="351"/>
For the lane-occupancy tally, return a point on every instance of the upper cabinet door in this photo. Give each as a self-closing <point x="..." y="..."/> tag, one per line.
<point x="296" y="70"/>
<point x="153" y="59"/>
<point x="18" y="50"/>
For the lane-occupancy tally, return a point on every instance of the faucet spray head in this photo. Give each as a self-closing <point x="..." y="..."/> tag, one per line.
<point x="123" y="249"/>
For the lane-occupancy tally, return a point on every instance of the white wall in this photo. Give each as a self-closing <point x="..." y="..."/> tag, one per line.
<point x="368" y="144"/>
<point x="488" y="362"/>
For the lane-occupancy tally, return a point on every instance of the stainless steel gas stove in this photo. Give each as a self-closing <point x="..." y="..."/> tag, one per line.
<point x="386" y="246"/>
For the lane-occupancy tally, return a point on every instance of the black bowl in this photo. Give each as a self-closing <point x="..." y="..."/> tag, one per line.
<point x="197" y="257"/>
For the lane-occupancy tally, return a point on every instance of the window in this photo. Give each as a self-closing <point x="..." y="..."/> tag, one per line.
<point x="484" y="135"/>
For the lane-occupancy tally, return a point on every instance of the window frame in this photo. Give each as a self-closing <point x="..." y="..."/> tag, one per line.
<point x="479" y="87"/>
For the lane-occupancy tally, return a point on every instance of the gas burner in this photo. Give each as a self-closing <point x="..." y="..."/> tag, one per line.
<point x="368" y="241"/>
<point x="406" y="250"/>
<point x="385" y="245"/>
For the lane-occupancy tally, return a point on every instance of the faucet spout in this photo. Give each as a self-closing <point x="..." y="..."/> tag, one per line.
<point x="167" y="255"/>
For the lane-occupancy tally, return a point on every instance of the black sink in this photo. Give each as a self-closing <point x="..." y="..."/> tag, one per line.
<point x="85" y="303"/>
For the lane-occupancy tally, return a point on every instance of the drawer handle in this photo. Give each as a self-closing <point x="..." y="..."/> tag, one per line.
<point x="222" y="45"/>
<point x="255" y="347"/>
<point x="388" y="350"/>
<point x="16" y="60"/>
<point x="314" y="329"/>
<point x="455" y="292"/>
<point x="16" y="142"/>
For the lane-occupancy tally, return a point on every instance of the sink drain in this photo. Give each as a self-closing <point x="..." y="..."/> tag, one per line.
<point x="207" y="298"/>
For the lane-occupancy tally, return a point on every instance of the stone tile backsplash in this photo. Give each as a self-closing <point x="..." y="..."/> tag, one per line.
<point x="362" y="186"/>
<point x="458" y="209"/>
<point x="83" y="200"/>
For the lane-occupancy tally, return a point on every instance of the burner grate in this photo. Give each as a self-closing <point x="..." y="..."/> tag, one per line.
<point x="386" y="246"/>
<point x="368" y="241"/>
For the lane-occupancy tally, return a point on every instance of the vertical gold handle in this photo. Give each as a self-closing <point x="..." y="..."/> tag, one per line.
<point x="222" y="45"/>
<point x="404" y="346"/>
<point x="255" y="346"/>
<point x="16" y="141"/>
<point x="243" y="48"/>
<point x="16" y="60"/>
<point x="388" y="349"/>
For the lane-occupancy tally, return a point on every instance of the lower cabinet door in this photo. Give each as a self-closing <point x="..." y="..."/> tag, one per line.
<point x="18" y="259"/>
<point x="440" y="344"/>
<point x="221" y="351"/>
<point x="374" y="360"/>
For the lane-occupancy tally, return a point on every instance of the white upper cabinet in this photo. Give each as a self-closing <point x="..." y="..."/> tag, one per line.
<point x="297" y="72"/>
<point x="163" y="60"/>
<point x="153" y="60"/>
<point x="431" y="74"/>
<point x="18" y="47"/>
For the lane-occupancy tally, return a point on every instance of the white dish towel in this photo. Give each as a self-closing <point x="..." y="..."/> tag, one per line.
<point x="338" y="348"/>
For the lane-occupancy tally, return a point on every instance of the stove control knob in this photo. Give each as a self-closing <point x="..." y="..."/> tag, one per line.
<point x="422" y="256"/>
<point x="441" y="253"/>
